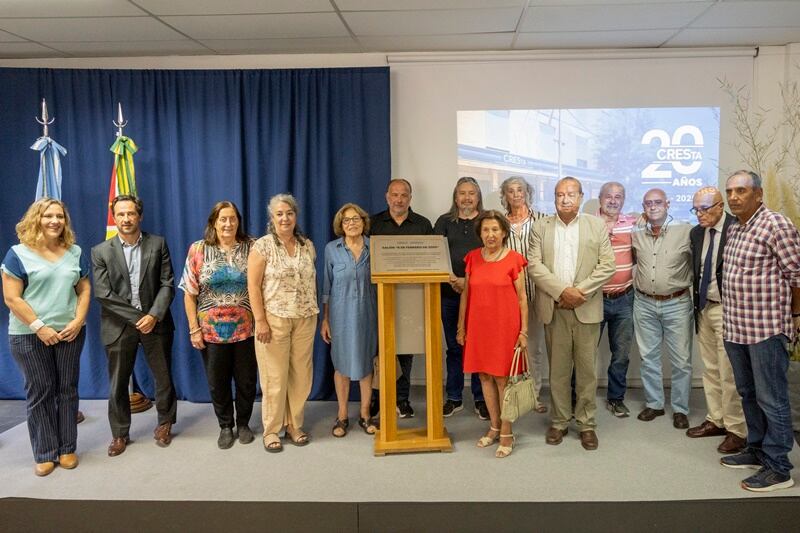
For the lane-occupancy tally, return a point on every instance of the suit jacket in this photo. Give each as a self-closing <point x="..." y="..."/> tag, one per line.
<point x="696" y="236"/>
<point x="595" y="266"/>
<point x="112" y="286"/>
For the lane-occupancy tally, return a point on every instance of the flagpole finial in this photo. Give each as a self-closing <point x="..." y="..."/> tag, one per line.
<point x="120" y="122"/>
<point x="45" y="120"/>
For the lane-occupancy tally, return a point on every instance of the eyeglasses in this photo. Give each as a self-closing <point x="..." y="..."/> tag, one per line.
<point x="351" y="220"/>
<point x="653" y="203"/>
<point x="703" y="210"/>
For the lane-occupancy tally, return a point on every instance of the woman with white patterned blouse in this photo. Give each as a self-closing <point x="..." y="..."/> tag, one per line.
<point x="217" y="306"/>
<point x="282" y="283"/>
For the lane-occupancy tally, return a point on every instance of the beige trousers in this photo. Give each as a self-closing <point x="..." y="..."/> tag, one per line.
<point x="723" y="402"/>
<point x="284" y="367"/>
<point x="572" y="344"/>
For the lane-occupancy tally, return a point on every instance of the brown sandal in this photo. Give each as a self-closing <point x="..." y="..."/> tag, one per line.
<point x="367" y="425"/>
<point x="341" y="426"/>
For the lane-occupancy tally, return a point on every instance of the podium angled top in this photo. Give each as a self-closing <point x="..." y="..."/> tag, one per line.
<point x="409" y="259"/>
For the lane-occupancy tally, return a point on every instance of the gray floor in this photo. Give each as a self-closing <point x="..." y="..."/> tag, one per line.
<point x="12" y="412"/>
<point x="636" y="461"/>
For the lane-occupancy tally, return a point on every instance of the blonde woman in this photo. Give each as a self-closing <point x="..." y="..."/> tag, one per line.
<point x="282" y="284"/>
<point x="46" y="287"/>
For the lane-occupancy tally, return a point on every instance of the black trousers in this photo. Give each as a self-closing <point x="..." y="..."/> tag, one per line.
<point x="121" y="358"/>
<point x="51" y="392"/>
<point x="232" y="361"/>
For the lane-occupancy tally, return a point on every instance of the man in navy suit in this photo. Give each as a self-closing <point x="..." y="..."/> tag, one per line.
<point x="707" y="240"/>
<point x="134" y="284"/>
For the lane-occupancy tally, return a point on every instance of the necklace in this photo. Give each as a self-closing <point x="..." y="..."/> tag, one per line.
<point x="494" y="257"/>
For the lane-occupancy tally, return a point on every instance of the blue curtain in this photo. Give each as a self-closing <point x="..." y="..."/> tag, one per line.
<point x="203" y="136"/>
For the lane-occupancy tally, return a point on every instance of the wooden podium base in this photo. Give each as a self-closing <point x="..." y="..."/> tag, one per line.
<point x="412" y="440"/>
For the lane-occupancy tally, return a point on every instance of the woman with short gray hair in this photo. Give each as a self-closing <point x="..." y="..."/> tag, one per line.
<point x="516" y="196"/>
<point x="282" y="284"/>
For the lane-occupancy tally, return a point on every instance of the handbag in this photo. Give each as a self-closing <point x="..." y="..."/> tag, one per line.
<point x="519" y="396"/>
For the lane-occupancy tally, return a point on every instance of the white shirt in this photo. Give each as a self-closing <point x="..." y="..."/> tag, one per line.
<point x="566" y="244"/>
<point x="713" y="291"/>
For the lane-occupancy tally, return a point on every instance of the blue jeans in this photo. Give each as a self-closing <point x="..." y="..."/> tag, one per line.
<point x="618" y="315"/>
<point x="760" y="373"/>
<point x="455" y="356"/>
<point x="670" y="322"/>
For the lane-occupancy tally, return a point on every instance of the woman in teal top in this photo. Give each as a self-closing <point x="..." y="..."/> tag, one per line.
<point x="349" y="321"/>
<point x="46" y="287"/>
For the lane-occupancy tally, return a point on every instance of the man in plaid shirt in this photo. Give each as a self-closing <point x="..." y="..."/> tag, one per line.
<point x="761" y="314"/>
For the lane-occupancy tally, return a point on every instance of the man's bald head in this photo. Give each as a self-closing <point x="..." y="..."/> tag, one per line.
<point x="708" y="206"/>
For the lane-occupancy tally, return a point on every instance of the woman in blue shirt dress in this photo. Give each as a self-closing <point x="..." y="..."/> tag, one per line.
<point x="46" y="287"/>
<point x="349" y="321"/>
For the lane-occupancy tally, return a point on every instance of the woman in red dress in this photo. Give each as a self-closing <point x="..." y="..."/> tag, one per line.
<point x="493" y="319"/>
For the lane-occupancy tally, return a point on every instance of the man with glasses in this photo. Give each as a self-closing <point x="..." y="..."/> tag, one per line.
<point x="761" y="315"/>
<point x="708" y="239"/>
<point x="618" y="294"/>
<point x="399" y="219"/>
<point x="662" y="309"/>
<point x="458" y="225"/>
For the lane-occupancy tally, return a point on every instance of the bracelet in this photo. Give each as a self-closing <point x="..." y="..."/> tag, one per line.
<point x="195" y="330"/>
<point x="36" y="325"/>
<point x="524" y="334"/>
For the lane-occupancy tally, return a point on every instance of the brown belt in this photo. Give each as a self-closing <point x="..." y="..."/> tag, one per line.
<point x="713" y="302"/>
<point x="615" y="295"/>
<point x="662" y="297"/>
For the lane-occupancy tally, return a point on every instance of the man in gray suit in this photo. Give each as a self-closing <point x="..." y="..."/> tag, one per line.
<point x="569" y="259"/>
<point x="133" y="282"/>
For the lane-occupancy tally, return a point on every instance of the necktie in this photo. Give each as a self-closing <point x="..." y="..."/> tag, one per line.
<point x="707" y="266"/>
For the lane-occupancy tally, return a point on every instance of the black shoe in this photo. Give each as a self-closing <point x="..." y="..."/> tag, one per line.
<point x="767" y="480"/>
<point x="481" y="410"/>
<point x="618" y="408"/>
<point x="404" y="409"/>
<point x="374" y="405"/>
<point x="744" y="459"/>
<point x="226" y="438"/>
<point x="245" y="434"/>
<point x="649" y="414"/>
<point x="451" y="407"/>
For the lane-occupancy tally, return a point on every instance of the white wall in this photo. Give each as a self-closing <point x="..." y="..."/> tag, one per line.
<point x="428" y="90"/>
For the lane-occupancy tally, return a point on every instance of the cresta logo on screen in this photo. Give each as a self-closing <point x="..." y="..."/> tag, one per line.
<point x="684" y="158"/>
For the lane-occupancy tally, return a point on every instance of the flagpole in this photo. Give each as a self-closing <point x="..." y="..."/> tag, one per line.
<point x="139" y="402"/>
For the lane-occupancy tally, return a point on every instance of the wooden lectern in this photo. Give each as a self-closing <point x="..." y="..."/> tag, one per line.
<point x="434" y="437"/>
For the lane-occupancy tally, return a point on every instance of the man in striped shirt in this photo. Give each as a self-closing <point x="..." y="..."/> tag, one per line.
<point x="761" y="314"/>
<point x="618" y="294"/>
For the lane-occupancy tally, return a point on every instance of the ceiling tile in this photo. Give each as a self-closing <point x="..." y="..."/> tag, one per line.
<point x="736" y="37"/>
<point x="751" y="15"/>
<point x="593" y="39"/>
<point x="612" y="17"/>
<point x="414" y="5"/>
<point x="130" y="48"/>
<point x="534" y="3"/>
<point x="458" y="21"/>
<point x="68" y="8"/>
<point x="90" y="29"/>
<point x="22" y="50"/>
<point x="281" y="46"/>
<point x="7" y="37"/>
<point x="260" y="26"/>
<point x="419" y="43"/>
<point x="233" y="7"/>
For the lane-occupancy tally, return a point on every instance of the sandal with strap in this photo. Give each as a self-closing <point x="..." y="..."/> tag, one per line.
<point x="367" y="425"/>
<point x="272" y="443"/>
<point x="340" y="427"/>
<point x="486" y="440"/>
<point x="300" y="440"/>
<point x="505" y="451"/>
